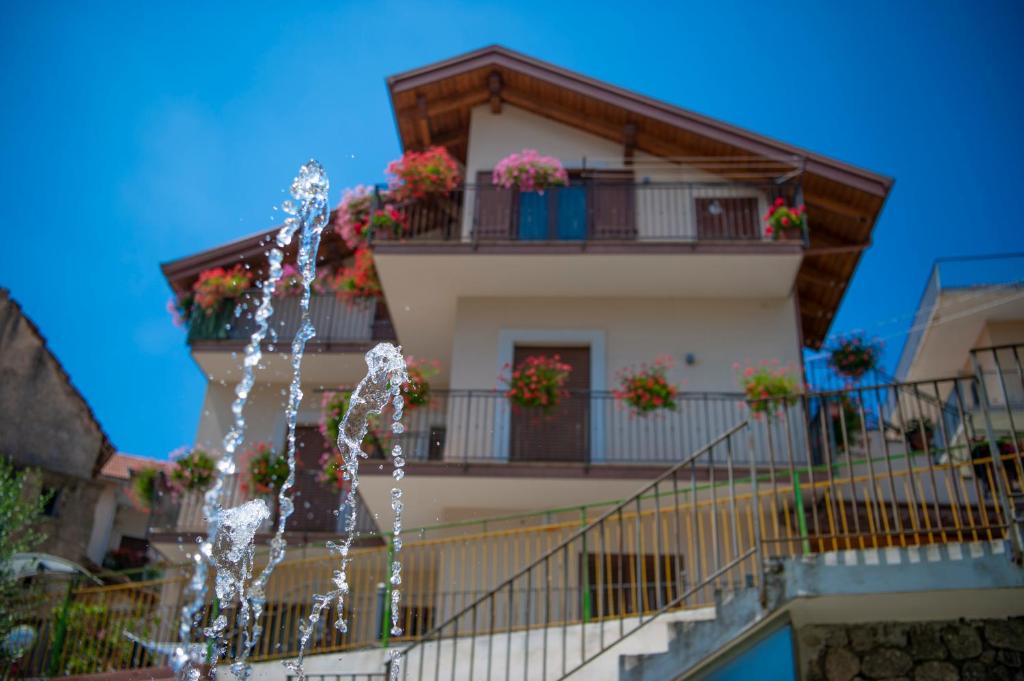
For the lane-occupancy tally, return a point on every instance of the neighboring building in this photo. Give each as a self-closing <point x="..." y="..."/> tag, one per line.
<point x="120" y="535"/>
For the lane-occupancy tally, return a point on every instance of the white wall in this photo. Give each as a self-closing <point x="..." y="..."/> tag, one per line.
<point x="716" y="332"/>
<point x="660" y="212"/>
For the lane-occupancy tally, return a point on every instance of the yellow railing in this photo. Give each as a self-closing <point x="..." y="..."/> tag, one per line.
<point x="647" y="555"/>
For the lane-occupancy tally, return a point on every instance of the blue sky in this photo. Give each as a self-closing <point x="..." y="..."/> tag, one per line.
<point x="135" y="133"/>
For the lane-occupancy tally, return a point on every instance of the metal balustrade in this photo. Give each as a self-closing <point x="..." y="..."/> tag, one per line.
<point x="594" y="211"/>
<point x="362" y="320"/>
<point x="844" y="469"/>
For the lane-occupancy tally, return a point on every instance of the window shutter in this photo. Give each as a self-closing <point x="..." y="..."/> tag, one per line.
<point x="493" y="215"/>
<point x="727" y="218"/>
<point x="612" y="204"/>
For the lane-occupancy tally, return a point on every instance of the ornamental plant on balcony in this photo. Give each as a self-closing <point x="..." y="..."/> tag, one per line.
<point x="538" y="382"/>
<point x="333" y="407"/>
<point x="290" y="285"/>
<point x="358" y="281"/>
<point x="217" y="285"/>
<point x="354" y="223"/>
<point x="193" y="470"/>
<point x="416" y="391"/>
<point x="919" y="433"/>
<point x="267" y="469"/>
<point x="768" y="387"/>
<point x="143" y="489"/>
<point x="853" y="356"/>
<point x="419" y="174"/>
<point x="784" y="222"/>
<point x="180" y="307"/>
<point x="528" y="171"/>
<point x="646" y="389"/>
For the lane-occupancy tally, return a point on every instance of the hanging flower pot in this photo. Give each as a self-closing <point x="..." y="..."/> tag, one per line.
<point x="267" y="470"/>
<point x="416" y="391"/>
<point x="854" y="356"/>
<point x="419" y="174"/>
<point x="768" y="387"/>
<point x="355" y="219"/>
<point x="646" y="389"/>
<point x="783" y="222"/>
<point x="538" y="382"/>
<point x="528" y="171"/>
<point x="193" y="470"/>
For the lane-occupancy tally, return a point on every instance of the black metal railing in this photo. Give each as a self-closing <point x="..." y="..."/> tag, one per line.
<point x="587" y="427"/>
<point x="815" y="477"/>
<point x="336" y="321"/>
<point x="596" y="211"/>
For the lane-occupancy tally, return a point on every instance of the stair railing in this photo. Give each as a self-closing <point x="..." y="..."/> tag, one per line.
<point x="671" y="545"/>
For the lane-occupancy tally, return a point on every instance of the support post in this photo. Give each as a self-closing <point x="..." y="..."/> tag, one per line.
<point x="756" y="502"/>
<point x="385" y="623"/>
<point x="60" y="633"/>
<point x="1013" y="529"/>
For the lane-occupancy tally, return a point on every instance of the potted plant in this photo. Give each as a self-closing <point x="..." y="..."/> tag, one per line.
<point x="217" y="285"/>
<point x="846" y="421"/>
<point x="538" y="382"/>
<point x="416" y="391"/>
<point x="333" y="407"/>
<point x="267" y="470"/>
<point x="354" y="223"/>
<point x="918" y="433"/>
<point x="784" y="222"/>
<point x="419" y="174"/>
<point x="290" y="285"/>
<point x="144" y="487"/>
<point x="528" y="171"/>
<point x="359" y="280"/>
<point x="193" y="470"/>
<point x="646" y="389"/>
<point x="768" y="387"/>
<point x="854" y="356"/>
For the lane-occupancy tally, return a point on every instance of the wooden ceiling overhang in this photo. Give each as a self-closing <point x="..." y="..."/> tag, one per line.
<point x="432" y="106"/>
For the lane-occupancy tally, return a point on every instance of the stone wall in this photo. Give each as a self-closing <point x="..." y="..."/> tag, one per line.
<point x="965" y="650"/>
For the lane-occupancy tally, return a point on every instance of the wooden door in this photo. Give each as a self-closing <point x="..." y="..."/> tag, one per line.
<point x="726" y="219"/>
<point x="494" y="209"/>
<point x="564" y="433"/>
<point x="612" y="204"/>
<point x="315" y="501"/>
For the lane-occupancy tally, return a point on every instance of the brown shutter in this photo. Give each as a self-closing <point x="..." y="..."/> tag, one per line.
<point x="563" y="434"/>
<point x="734" y="218"/>
<point x="612" y="204"/>
<point x="315" y="502"/>
<point x="494" y="209"/>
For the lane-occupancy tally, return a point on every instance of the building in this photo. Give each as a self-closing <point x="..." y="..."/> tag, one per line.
<point x="593" y="541"/>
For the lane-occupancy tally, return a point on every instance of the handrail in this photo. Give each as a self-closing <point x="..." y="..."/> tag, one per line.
<point x="563" y="547"/>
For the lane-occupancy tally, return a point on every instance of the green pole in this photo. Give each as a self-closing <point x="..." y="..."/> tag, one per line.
<point x="385" y="622"/>
<point x="801" y="516"/>
<point x="62" y="629"/>
<point x="585" y="568"/>
<point x="214" y="615"/>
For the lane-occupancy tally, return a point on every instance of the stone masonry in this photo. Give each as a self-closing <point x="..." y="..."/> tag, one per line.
<point x="965" y="650"/>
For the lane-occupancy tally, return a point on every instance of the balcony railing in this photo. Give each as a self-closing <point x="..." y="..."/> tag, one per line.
<point x="591" y="427"/>
<point x="355" y="322"/>
<point x="598" y="211"/>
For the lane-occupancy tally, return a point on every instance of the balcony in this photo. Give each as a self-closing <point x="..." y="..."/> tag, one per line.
<point x="598" y="214"/>
<point x="344" y="331"/>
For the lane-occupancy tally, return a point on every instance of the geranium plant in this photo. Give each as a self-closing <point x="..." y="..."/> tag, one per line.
<point x="767" y="386"/>
<point x="416" y="391"/>
<point x="290" y="284"/>
<point x="529" y="171"/>
<point x="334" y="405"/>
<point x="193" y="469"/>
<point x="267" y="470"/>
<point x="853" y="356"/>
<point x="419" y="174"/>
<point x="216" y="285"/>
<point x="646" y="389"/>
<point x="359" y="280"/>
<point x="538" y="382"/>
<point x="784" y="222"/>
<point x="180" y="307"/>
<point x="354" y="223"/>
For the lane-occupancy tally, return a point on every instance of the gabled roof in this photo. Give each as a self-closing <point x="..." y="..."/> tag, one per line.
<point x="432" y="106"/>
<point x="9" y="323"/>
<point x="120" y="466"/>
